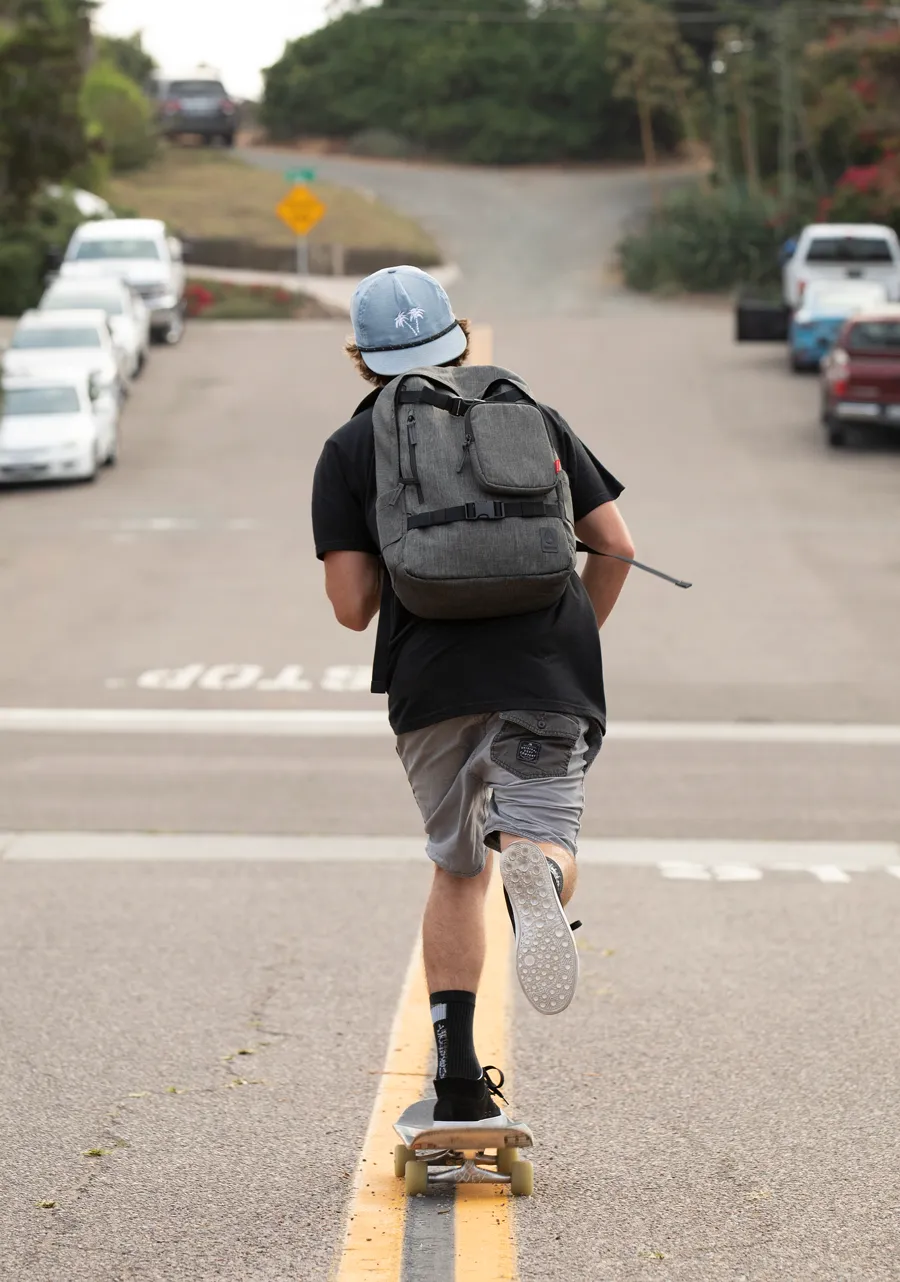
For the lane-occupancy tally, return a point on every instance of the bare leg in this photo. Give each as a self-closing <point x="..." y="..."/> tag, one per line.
<point x="560" y="855"/>
<point x="453" y="930"/>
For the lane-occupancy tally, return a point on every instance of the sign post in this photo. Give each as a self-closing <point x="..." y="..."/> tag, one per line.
<point x="301" y="210"/>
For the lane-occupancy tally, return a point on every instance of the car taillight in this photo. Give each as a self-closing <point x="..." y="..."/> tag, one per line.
<point x="801" y="289"/>
<point x="171" y="106"/>
<point x="839" y="372"/>
<point x="226" y="107"/>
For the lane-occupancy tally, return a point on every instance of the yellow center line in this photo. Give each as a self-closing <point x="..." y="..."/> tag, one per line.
<point x="373" y="1245"/>
<point x="485" y="1248"/>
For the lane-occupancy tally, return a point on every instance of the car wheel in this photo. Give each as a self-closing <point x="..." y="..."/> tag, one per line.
<point x="835" y="432"/>
<point x="174" y="331"/>
<point x="112" y="457"/>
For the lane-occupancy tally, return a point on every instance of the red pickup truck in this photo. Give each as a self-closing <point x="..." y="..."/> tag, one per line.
<point x="861" y="376"/>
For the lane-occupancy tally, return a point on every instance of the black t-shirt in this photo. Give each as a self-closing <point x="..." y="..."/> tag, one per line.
<point x="434" y="669"/>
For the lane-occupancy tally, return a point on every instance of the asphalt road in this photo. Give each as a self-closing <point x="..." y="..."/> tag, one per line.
<point x="719" y="1105"/>
<point x="535" y="242"/>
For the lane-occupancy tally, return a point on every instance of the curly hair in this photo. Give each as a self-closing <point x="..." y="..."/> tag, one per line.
<point x="382" y="380"/>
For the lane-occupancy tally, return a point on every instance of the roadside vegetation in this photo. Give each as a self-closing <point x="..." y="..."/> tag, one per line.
<point x="204" y="193"/>
<point x="223" y="300"/>
<point x="804" y="126"/>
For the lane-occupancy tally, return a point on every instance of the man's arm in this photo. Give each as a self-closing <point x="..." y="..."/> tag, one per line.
<point x="604" y="531"/>
<point x="353" y="586"/>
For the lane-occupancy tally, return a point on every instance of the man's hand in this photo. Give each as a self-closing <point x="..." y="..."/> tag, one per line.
<point x="353" y="586"/>
<point x="604" y="531"/>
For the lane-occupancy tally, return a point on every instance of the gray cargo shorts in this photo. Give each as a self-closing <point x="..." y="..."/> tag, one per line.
<point x="520" y="773"/>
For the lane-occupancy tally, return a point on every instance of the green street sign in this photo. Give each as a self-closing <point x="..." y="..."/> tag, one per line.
<point x="300" y="175"/>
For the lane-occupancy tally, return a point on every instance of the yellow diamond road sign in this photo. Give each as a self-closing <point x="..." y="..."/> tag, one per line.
<point x="301" y="210"/>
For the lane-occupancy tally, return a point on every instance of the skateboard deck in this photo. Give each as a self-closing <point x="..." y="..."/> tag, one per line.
<point x="484" y="1152"/>
<point x="419" y="1132"/>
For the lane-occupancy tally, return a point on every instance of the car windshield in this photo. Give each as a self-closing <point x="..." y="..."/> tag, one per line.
<point x="55" y="336"/>
<point x="875" y="336"/>
<point x="64" y="300"/>
<point x="40" y="400"/>
<point x="138" y="247"/>
<point x="196" y="89"/>
<point x="849" y="249"/>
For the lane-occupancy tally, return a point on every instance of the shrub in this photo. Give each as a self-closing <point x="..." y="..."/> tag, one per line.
<point x="23" y="253"/>
<point x="706" y="240"/>
<point x="123" y="114"/>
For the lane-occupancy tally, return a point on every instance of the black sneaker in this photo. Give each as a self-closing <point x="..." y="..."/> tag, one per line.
<point x="546" y="956"/>
<point x="459" y="1099"/>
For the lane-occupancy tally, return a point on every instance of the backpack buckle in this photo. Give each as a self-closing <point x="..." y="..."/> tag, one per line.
<point x="492" y="511"/>
<point x="457" y="406"/>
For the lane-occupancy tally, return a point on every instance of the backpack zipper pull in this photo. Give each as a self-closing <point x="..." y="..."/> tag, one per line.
<point x="466" y="443"/>
<point x="392" y="501"/>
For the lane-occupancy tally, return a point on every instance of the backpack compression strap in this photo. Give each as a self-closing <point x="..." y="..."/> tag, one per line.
<point x="458" y="406"/>
<point x="493" y="510"/>
<point x="639" y="565"/>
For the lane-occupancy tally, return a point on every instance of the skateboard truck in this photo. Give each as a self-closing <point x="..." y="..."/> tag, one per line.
<point x="475" y="1153"/>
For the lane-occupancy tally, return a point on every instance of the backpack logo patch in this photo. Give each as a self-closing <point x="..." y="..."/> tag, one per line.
<point x="549" y="540"/>
<point x="529" y="750"/>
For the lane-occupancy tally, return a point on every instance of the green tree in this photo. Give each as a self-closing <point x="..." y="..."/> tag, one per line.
<point x="113" y="103"/>
<point x="128" y="54"/>
<point x="519" y="89"/>
<point x="44" y="48"/>
<point x="651" y="64"/>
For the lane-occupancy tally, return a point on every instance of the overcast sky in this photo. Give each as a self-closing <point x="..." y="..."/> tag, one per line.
<point x="181" y="33"/>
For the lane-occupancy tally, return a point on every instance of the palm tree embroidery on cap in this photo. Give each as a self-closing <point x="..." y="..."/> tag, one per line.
<point x="410" y="319"/>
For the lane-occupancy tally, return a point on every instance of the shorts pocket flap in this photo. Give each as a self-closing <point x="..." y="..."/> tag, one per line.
<point x="550" y="725"/>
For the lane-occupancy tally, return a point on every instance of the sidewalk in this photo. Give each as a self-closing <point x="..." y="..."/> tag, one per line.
<point x="336" y="291"/>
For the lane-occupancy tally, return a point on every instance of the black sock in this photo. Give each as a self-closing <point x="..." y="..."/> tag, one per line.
<point x="453" y="1015"/>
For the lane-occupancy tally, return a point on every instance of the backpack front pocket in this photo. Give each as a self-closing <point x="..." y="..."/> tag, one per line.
<point x="510" y="449"/>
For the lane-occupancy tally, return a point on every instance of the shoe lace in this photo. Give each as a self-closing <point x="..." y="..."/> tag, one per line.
<point x="494" y="1087"/>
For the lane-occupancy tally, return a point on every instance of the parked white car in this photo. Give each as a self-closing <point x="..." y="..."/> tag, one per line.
<point x="45" y="342"/>
<point x="842" y="252"/>
<point x="52" y="430"/>
<point x="87" y="203"/>
<point x="126" y="311"/>
<point x="141" y="252"/>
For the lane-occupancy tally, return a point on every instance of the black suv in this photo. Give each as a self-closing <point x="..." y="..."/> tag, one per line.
<point x="198" y="107"/>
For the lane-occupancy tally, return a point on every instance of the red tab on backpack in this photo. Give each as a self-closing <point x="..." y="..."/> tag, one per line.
<point x="557" y="465"/>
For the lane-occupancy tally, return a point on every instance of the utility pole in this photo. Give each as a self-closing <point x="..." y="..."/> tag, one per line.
<point x="787" y="145"/>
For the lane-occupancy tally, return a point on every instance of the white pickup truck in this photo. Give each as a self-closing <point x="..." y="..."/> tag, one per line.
<point x="823" y="252"/>
<point x="842" y="251"/>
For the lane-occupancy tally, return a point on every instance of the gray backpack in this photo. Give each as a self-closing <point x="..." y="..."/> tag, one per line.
<point x="473" y="508"/>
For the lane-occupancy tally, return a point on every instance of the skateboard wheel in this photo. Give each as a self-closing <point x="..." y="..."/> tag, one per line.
<point x="416" y="1178"/>
<point x="521" y="1179"/>
<point x="402" y="1155"/>
<point x="505" y="1159"/>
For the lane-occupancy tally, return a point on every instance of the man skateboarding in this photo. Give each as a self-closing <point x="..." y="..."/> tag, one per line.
<point x="449" y="506"/>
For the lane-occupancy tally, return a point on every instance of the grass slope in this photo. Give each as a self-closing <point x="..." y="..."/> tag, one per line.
<point x="205" y="193"/>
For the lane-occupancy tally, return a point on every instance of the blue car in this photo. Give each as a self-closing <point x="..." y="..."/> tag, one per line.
<point x="817" y="322"/>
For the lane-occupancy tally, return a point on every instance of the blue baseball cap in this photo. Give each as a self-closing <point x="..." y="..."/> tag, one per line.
<point x="402" y="318"/>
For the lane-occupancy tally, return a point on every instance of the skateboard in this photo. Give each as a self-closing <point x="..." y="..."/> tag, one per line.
<point x="463" y="1153"/>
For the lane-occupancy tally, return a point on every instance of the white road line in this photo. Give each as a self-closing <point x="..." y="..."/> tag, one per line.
<point x="684" y="872"/>
<point x="129" y="847"/>
<point x="828" y="872"/>
<point x="708" y="853"/>
<point x="737" y="872"/>
<point x="327" y="722"/>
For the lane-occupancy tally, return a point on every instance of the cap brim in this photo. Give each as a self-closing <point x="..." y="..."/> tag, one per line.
<point x="438" y="352"/>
